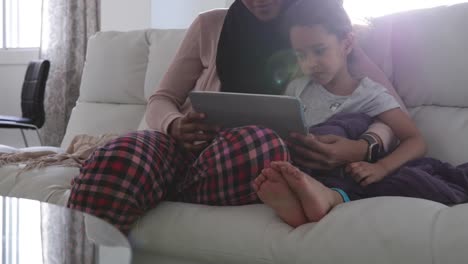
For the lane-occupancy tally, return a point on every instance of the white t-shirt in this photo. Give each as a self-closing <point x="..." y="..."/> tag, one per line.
<point x="369" y="98"/>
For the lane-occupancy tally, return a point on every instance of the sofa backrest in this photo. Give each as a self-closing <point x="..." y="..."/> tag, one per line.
<point x="423" y="52"/>
<point x="121" y="72"/>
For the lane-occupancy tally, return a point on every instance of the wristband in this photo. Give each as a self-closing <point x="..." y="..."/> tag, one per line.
<point x="373" y="148"/>
<point x="342" y="194"/>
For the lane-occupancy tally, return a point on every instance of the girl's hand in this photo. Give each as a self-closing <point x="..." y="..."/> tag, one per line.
<point x="325" y="152"/>
<point x="366" y="173"/>
<point x="190" y="131"/>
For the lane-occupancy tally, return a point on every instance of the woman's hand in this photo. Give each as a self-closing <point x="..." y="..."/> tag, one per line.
<point x="325" y="152"/>
<point x="366" y="173"/>
<point x="191" y="132"/>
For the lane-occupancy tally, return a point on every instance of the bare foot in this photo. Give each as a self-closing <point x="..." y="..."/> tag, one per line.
<point x="273" y="190"/>
<point x="316" y="199"/>
<point x="258" y="182"/>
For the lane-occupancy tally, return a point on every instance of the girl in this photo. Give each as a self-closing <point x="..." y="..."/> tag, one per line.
<point x="321" y="35"/>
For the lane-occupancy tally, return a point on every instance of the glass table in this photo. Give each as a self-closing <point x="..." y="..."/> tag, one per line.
<point x="36" y="232"/>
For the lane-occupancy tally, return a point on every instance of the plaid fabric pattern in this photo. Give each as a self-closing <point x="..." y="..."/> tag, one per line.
<point x="128" y="176"/>
<point x="224" y="171"/>
<point x="131" y="174"/>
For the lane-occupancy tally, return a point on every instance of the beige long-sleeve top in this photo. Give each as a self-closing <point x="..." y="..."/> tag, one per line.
<point x="194" y="68"/>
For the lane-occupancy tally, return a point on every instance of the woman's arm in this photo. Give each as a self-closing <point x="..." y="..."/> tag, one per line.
<point x="325" y="152"/>
<point x="186" y="68"/>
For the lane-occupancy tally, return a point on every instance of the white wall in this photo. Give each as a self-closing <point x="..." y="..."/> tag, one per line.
<point x="124" y="15"/>
<point x="181" y="13"/>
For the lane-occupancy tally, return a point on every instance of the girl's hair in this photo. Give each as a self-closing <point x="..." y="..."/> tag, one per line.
<point x="328" y="13"/>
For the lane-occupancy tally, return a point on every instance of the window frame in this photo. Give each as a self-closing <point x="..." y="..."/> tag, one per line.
<point x="3" y="4"/>
<point x="3" y="24"/>
<point x="14" y="56"/>
<point x="18" y="56"/>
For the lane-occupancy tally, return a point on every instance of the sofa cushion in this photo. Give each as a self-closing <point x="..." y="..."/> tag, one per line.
<point x="192" y="231"/>
<point x="163" y="47"/>
<point x="445" y="131"/>
<point x="96" y="119"/>
<point x="253" y="234"/>
<point x="115" y="68"/>
<point x="450" y="235"/>
<point x="384" y="230"/>
<point x="429" y="58"/>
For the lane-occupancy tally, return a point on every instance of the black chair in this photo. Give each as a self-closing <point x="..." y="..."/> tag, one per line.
<point x="32" y="100"/>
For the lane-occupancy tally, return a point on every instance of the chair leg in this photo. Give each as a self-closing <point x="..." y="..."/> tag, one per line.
<point x="24" y="138"/>
<point x="39" y="136"/>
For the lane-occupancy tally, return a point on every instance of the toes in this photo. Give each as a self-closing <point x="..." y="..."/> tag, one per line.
<point x="277" y="165"/>
<point x="255" y="186"/>
<point x="258" y="182"/>
<point x="260" y="178"/>
<point x="291" y="171"/>
<point x="261" y="194"/>
<point x="271" y="174"/>
<point x="265" y="192"/>
<point x="285" y="168"/>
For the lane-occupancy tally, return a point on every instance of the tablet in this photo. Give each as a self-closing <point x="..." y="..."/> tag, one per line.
<point x="283" y="114"/>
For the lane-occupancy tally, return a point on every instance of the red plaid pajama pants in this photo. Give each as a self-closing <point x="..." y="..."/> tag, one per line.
<point x="130" y="175"/>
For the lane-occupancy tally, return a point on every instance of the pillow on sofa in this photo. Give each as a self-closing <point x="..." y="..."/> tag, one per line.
<point x="163" y="47"/>
<point x="115" y="68"/>
<point x="429" y="57"/>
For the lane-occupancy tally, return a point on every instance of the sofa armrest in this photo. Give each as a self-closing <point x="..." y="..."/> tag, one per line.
<point x="8" y="149"/>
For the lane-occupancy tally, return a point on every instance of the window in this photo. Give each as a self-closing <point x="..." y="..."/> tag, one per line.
<point x="20" y="23"/>
<point x="361" y="10"/>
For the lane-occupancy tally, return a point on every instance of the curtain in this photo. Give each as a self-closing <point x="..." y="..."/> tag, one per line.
<point x="66" y="27"/>
<point x="64" y="238"/>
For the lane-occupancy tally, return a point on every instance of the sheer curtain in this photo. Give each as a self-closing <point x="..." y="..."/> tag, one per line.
<point x="66" y="27"/>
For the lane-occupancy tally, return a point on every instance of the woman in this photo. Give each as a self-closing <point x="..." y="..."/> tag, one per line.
<point x="223" y="51"/>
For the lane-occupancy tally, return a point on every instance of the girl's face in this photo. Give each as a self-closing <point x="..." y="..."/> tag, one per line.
<point x="320" y="54"/>
<point x="264" y="10"/>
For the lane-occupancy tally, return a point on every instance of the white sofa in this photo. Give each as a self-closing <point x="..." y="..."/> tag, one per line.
<point x="424" y="53"/>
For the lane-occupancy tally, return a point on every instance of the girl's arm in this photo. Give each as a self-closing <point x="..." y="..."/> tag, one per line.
<point x="412" y="145"/>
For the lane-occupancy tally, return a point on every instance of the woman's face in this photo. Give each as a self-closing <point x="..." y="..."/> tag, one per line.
<point x="264" y="10"/>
